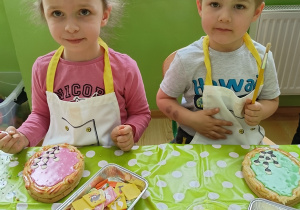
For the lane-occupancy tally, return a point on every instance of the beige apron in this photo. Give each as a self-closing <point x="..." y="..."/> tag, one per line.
<point x="231" y="106"/>
<point x="86" y="122"/>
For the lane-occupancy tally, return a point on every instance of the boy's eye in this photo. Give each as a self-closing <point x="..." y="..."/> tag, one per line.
<point x="214" y="4"/>
<point x="57" y="13"/>
<point x="239" y="6"/>
<point x="84" y="12"/>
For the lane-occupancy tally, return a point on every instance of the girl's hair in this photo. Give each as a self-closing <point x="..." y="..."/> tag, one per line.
<point x="36" y="13"/>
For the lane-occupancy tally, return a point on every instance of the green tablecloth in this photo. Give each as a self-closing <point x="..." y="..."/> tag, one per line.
<point x="180" y="176"/>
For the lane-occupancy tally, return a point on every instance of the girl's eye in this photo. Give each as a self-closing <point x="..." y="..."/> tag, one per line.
<point x="239" y="6"/>
<point x="84" y="12"/>
<point x="57" y="13"/>
<point x="214" y="4"/>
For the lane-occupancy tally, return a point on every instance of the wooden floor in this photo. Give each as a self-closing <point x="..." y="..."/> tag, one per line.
<point x="280" y="128"/>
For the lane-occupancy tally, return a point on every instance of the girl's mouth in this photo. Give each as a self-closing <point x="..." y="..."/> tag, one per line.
<point x="74" y="41"/>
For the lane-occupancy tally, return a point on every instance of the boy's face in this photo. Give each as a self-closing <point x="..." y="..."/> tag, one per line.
<point x="226" y="21"/>
<point x="76" y="24"/>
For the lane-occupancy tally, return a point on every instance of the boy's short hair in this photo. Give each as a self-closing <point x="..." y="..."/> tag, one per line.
<point x="258" y="3"/>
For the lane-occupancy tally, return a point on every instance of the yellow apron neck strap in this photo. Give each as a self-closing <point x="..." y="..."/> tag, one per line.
<point x="208" y="79"/>
<point x="52" y="69"/>
<point x="249" y="44"/>
<point x="107" y="76"/>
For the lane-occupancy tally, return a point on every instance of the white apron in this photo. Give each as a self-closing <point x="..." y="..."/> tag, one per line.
<point x="86" y="122"/>
<point x="231" y="106"/>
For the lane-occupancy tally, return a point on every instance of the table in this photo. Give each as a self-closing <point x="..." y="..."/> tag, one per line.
<point x="180" y="176"/>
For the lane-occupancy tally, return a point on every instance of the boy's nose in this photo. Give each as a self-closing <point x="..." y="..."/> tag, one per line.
<point x="224" y="16"/>
<point x="71" y="26"/>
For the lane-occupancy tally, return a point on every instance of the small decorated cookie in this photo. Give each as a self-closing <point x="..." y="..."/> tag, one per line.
<point x="273" y="174"/>
<point x="53" y="172"/>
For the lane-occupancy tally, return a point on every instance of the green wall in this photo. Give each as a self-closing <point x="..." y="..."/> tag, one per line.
<point x="8" y="58"/>
<point x="149" y="32"/>
<point x="282" y="2"/>
<point x="153" y="30"/>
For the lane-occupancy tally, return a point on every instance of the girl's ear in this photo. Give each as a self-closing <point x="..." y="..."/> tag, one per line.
<point x="258" y="11"/>
<point x="105" y="16"/>
<point x="199" y="6"/>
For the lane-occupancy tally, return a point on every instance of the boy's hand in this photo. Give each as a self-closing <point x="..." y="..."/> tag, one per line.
<point x="252" y="113"/>
<point x="204" y="123"/>
<point x="122" y="136"/>
<point x="12" y="141"/>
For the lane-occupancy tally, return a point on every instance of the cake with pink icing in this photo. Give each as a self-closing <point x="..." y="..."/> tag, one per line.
<point x="53" y="172"/>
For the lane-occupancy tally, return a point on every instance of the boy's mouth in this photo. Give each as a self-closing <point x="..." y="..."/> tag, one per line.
<point x="223" y="29"/>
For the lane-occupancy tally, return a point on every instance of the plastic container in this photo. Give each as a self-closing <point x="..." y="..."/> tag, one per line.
<point x="14" y="108"/>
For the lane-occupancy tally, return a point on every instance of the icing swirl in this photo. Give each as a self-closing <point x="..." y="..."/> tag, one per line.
<point x="277" y="172"/>
<point x="53" y="166"/>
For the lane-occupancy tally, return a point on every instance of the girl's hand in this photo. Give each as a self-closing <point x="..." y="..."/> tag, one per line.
<point x="204" y="123"/>
<point x="253" y="113"/>
<point x="12" y="141"/>
<point x="122" y="136"/>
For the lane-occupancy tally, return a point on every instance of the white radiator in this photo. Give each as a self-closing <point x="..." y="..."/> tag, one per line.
<point x="280" y="25"/>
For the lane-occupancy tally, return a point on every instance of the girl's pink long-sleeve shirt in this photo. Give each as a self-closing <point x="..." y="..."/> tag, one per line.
<point x="82" y="80"/>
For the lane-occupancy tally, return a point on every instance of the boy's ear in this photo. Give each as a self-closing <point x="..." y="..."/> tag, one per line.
<point x="199" y="6"/>
<point x="258" y="11"/>
<point x="105" y="16"/>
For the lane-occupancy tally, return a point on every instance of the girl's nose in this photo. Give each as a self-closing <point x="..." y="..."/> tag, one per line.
<point x="71" y="26"/>
<point x="224" y="16"/>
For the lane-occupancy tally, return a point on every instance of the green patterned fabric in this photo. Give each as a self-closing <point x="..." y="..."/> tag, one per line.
<point x="180" y="177"/>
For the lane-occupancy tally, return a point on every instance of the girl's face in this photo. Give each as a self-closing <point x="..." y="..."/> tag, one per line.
<point x="76" y="25"/>
<point x="226" y="21"/>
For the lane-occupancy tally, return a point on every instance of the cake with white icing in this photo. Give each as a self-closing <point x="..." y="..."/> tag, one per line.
<point x="273" y="174"/>
<point x="53" y="172"/>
